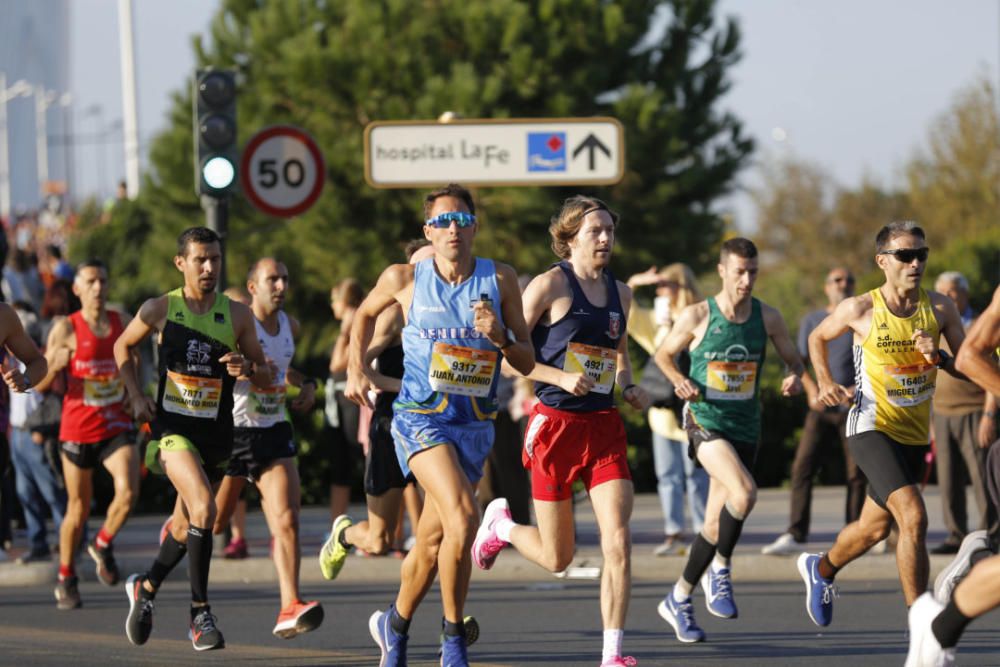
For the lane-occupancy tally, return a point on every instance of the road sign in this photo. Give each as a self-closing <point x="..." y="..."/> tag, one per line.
<point x="498" y="152"/>
<point x="282" y="171"/>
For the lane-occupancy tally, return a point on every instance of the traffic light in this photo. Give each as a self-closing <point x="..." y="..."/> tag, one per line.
<point x="216" y="154"/>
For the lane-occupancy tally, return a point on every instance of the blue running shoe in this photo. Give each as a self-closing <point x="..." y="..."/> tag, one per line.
<point x="718" y="587"/>
<point x="819" y="591"/>
<point x="680" y="615"/>
<point x="392" y="643"/>
<point x="453" y="651"/>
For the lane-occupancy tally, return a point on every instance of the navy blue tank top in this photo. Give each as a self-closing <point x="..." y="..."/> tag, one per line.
<point x="585" y="340"/>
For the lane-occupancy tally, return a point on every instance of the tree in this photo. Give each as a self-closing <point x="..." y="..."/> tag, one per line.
<point x="332" y="67"/>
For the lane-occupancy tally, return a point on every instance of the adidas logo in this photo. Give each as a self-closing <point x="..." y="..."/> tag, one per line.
<point x="883" y="326"/>
<point x="717" y="330"/>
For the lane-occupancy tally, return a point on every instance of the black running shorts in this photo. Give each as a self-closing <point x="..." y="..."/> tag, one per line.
<point x="382" y="471"/>
<point x="89" y="455"/>
<point x="888" y="465"/>
<point x="697" y="436"/>
<point x="254" y="449"/>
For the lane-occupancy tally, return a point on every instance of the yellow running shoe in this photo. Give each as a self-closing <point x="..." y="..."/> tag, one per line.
<point x="333" y="553"/>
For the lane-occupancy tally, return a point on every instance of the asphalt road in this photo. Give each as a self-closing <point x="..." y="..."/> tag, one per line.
<point x="553" y="622"/>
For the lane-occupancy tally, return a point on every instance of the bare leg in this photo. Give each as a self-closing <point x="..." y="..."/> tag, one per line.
<point x="281" y="498"/>
<point x="612" y="502"/>
<point x="123" y="466"/>
<point x="421" y="564"/>
<point x="907" y="507"/>
<point x="375" y="534"/>
<point x="79" y="491"/>
<point x="340" y="499"/>
<point x="552" y="543"/>
<point x="227" y="500"/>
<point x="856" y="538"/>
<point x="979" y="592"/>
<point x="238" y="525"/>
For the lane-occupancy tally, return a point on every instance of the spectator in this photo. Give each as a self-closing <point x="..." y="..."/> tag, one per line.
<point x="964" y="426"/>
<point x="675" y="470"/>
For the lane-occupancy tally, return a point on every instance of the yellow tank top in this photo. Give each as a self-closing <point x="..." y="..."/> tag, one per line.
<point x="894" y="381"/>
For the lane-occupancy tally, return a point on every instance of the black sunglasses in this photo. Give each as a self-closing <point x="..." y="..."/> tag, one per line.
<point x="907" y="255"/>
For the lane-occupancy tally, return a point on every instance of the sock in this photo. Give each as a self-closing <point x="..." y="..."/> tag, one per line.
<point x="681" y="590"/>
<point x="454" y="629"/>
<point x="103" y="539"/>
<point x="949" y="625"/>
<point x="342" y="540"/>
<point x="65" y="572"/>
<point x="200" y="548"/>
<point x="612" y="644"/>
<point x="197" y="610"/>
<point x="143" y="593"/>
<point x="171" y="553"/>
<point x="720" y="563"/>
<point x="826" y="568"/>
<point x="730" y="528"/>
<point x="400" y="625"/>
<point x="504" y="526"/>
<point x="702" y="552"/>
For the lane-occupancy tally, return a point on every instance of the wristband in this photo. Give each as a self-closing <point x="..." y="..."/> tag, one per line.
<point x="253" y="370"/>
<point x="25" y="383"/>
<point x="992" y="414"/>
<point x="943" y="358"/>
<point x="311" y="381"/>
<point x="626" y="388"/>
<point x="510" y="341"/>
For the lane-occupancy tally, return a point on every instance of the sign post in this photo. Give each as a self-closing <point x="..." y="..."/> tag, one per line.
<point x="282" y="171"/>
<point x="495" y="152"/>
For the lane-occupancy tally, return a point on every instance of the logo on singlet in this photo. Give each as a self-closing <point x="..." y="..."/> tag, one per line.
<point x="614" y="325"/>
<point x="199" y="355"/>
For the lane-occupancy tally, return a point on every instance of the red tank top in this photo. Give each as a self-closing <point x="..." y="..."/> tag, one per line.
<point x="92" y="407"/>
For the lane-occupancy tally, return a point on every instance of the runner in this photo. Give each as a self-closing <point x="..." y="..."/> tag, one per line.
<point x="896" y="328"/>
<point x="264" y="447"/>
<point x="577" y="313"/>
<point x="936" y="625"/>
<point x="461" y="311"/>
<point x="94" y="430"/>
<point x="727" y="337"/>
<point x="206" y="342"/>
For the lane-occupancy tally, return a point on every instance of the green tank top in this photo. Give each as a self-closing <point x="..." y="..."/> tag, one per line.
<point x="726" y="367"/>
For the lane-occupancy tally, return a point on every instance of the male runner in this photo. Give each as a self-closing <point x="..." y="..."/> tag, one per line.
<point x="896" y="329"/>
<point x="206" y="341"/>
<point x="94" y="430"/>
<point x="727" y="337"/>
<point x="937" y="625"/>
<point x="461" y="311"/>
<point x="577" y="313"/>
<point x="264" y="447"/>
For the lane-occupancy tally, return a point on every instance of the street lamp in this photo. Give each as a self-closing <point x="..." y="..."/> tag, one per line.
<point x="20" y="89"/>
<point x="43" y="100"/>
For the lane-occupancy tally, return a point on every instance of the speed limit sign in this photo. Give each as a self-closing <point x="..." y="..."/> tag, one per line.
<point x="282" y="171"/>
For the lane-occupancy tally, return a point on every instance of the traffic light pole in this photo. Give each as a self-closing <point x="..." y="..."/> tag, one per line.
<point x="217" y="219"/>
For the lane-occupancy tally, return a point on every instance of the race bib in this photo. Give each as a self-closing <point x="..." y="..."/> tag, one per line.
<point x="462" y="370"/>
<point x="730" y="380"/>
<point x="266" y="404"/>
<point x="906" y="386"/>
<point x="598" y="363"/>
<point x="101" y="391"/>
<point x="192" y="396"/>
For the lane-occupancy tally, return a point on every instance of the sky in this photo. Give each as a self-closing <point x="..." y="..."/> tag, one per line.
<point x="853" y="85"/>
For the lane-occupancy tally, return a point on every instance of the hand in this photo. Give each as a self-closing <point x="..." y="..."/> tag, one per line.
<point x="358" y="386"/>
<point x="791" y="385"/>
<point x="306" y="399"/>
<point x="833" y="394"/>
<point x="236" y="364"/>
<point x="486" y="323"/>
<point x="924" y="344"/>
<point x="637" y="397"/>
<point x="142" y="409"/>
<point x="687" y="390"/>
<point x="578" y="384"/>
<point x="650" y="276"/>
<point x="60" y="359"/>
<point x="987" y="431"/>
<point x="16" y="380"/>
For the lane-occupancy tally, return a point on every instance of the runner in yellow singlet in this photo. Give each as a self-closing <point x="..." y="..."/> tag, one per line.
<point x="896" y="358"/>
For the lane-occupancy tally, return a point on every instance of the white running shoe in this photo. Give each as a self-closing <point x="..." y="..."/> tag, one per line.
<point x="960" y="565"/>
<point x="925" y="651"/>
<point x="785" y="545"/>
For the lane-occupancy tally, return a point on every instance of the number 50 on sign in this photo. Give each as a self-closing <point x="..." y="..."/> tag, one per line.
<point x="282" y="171"/>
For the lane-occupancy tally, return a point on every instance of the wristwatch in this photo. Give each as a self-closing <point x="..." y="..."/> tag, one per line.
<point x="942" y="359"/>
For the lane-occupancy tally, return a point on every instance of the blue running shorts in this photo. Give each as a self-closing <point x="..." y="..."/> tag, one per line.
<point x="413" y="432"/>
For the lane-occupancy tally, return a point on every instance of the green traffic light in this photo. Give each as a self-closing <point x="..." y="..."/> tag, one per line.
<point x="218" y="173"/>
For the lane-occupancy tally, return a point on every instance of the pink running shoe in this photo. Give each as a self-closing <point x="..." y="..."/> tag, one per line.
<point x="487" y="545"/>
<point x="619" y="661"/>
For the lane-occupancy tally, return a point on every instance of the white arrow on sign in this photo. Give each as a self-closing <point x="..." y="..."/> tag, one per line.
<point x="498" y="152"/>
<point x="282" y="171"/>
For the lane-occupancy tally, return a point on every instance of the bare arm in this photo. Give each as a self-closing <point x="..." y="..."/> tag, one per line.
<point x="633" y="394"/>
<point x="387" y="291"/>
<point x="950" y="322"/>
<point x="58" y="350"/>
<point x="338" y="358"/>
<point x="975" y="358"/>
<point x="19" y="343"/>
<point x="835" y="324"/>
<point x="778" y="333"/>
<point x="150" y="318"/>
<point x="387" y="329"/>
<point x="678" y="339"/>
<point x="295" y="378"/>
<point x="521" y="354"/>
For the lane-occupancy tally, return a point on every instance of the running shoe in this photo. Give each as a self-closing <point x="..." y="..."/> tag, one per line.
<point x="620" y="661"/>
<point x="454" y="651"/>
<point x="925" y="651"/>
<point x="391" y="643"/>
<point x="718" y="587"/>
<point x="819" y="591"/>
<point x="471" y="631"/>
<point x="956" y="570"/>
<point x="680" y="615"/>
<point x="333" y="554"/>
<point x="488" y="544"/>
<point x="236" y="550"/>
<point x="297" y="618"/>
<point x="204" y="635"/>
<point x="165" y="528"/>
<point x="672" y="544"/>
<point x="68" y="594"/>
<point x="139" y="623"/>
<point x="784" y="545"/>
<point x="107" y="568"/>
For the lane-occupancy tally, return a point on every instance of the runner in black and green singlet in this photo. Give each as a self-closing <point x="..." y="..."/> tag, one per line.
<point x="206" y="342"/>
<point x="727" y="336"/>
